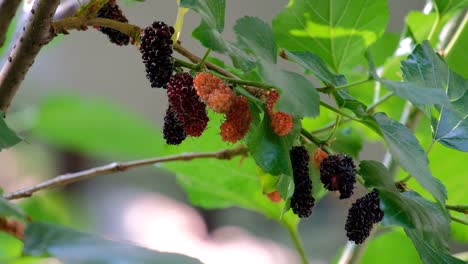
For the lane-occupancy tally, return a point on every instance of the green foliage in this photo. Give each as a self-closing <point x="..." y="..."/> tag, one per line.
<point x="8" y="137"/>
<point x="444" y="7"/>
<point x="338" y="31"/>
<point x="70" y="246"/>
<point x="10" y="210"/>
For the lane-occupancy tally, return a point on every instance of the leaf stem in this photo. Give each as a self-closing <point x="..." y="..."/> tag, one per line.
<point x="297" y="242"/>
<point x="380" y="101"/>
<point x="456" y="35"/>
<point x="338" y="111"/>
<point x="330" y="89"/>
<point x="317" y="141"/>
<point x="202" y="61"/>
<point x="249" y="83"/>
<point x="187" y="65"/>
<point x="434" y="27"/>
<point x="463" y="208"/>
<point x="459" y="220"/>
<point x="335" y="128"/>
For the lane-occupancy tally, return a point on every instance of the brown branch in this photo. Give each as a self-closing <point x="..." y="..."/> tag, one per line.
<point x="34" y="36"/>
<point x="13" y="227"/>
<point x="7" y="12"/>
<point x="69" y="178"/>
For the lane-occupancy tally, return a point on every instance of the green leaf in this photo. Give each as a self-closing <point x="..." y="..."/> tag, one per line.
<point x="445" y="6"/>
<point x="415" y="93"/>
<point x="210" y="29"/>
<point x="316" y="65"/>
<point x="420" y="24"/>
<point x="407" y="151"/>
<point x="8" y="137"/>
<point x="380" y="247"/>
<point x="71" y="246"/>
<point x="451" y="126"/>
<point x="254" y="33"/>
<point x="384" y="47"/>
<point x="348" y="141"/>
<point x="338" y="31"/>
<point x="10" y="210"/>
<point x="96" y="126"/>
<point x="456" y="57"/>
<point x="298" y="96"/>
<point x="429" y="253"/>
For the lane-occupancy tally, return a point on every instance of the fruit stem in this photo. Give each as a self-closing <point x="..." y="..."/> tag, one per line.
<point x="202" y="61"/>
<point x="187" y="65"/>
<point x="317" y="141"/>
<point x="249" y="83"/>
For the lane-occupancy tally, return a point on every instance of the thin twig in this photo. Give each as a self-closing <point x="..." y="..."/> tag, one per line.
<point x="7" y="12"/>
<point x="69" y="178"/>
<point x="35" y="35"/>
<point x="463" y="208"/>
<point x="459" y="220"/>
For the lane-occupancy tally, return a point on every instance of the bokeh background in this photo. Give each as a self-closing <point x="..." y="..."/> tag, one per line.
<point x="146" y="205"/>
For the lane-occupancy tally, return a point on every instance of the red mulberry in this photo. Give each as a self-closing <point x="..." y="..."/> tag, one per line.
<point x="111" y="10"/>
<point x="281" y="122"/>
<point x="302" y="201"/>
<point x="173" y="131"/>
<point x="274" y="196"/>
<point x="237" y="122"/>
<point x="156" y="52"/>
<point x="318" y="156"/>
<point x="338" y="173"/>
<point x="184" y="101"/>
<point x="362" y="215"/>
<point x="214" y="92"/>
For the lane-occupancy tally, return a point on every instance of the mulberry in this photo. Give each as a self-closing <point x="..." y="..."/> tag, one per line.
<point x="173" y="131"/>
<point x="111" y="10"/>
<point x="338" y="173"/>
<point x="184" y="101"/>
<point x="156" y="52"/>
<point x="237" y="122"/>
<point x="274" y="196"/>
<point x="362" y="215"/>
<point x="302" y="201"/>
<point x="318" y="156"/>
<point x="214" y="92"/>
<point x="280" y="122"/>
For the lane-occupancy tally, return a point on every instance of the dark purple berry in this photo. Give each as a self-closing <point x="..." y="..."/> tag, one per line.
<point x="362" y="215"/>
<point x="173" y="131"/>
<point x="338" y="173"/>
<point x="156" y="52"/>
<point x="111" y="10"/>
<point x="302" y="201"/>
<point x="183" y="98"/>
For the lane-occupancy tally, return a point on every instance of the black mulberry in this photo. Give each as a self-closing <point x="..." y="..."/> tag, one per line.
<point x="111" y="10"/>
<point x="183" y="98"/>
<point x="362" y="215"/>
<point x="302" y="201"/>
<point x="173" y="131"/>
<point x="156" y="51"/>
<point x="338" y="173"/>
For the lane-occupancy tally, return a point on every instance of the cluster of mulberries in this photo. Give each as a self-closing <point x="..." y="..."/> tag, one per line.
<point x="185" y="103"/>
<point x="338" y="173"/>
<point x="219" y="97"/>
<point x="156" y="51"/>
<point x="302" y="200"/>
<point x="111" y="10"/>
<point x="280" y="122"/>
<point x="173" y="130"/>
<point x="362" y="215"/>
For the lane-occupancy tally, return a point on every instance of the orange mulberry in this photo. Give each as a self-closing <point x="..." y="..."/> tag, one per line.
<point x="318" y="156"/>
<point x="274" y="196"/>
<point x="280" y="122"/>
<point x="214" y="92"/>
<point x="237" y="122"/>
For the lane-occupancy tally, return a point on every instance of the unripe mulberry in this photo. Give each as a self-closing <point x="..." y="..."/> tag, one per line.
<point x="214" y="92"/>
<point x="111" y="10"/>
<point x="184" y="101"/>
<point x="173" y="131"/>
<point x="318" y="156"/>
<point x="274" y="196"/>
<point x="338" y="173"/>
<point x="280" y="122"/>
<point x="302" y="201"/>
<point x="237" y="122"/>
<point x="362" y="215"/>
<point x="156" y="52"/>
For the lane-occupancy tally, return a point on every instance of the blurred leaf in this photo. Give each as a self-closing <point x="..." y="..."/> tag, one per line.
<point x="96" y="126"/>
<point x="384" y="47"/>
<point x="457" y="56"/>
<point x="415" y="93"/>
<point x="338" y="31"/>
<point x="380" y="246"/>
<point x="72" y="246"/>
<point x="407" y="151"/>
<point x="255" y="34"/>
<point x="48" y="207"/>
<point x="210" y="29"/>
<point x="348" y="141"/>
<point x="429" y="253"/>
<point x="10" y="210"/>
<point x="420" y="24"/>
<point x="445" y="6"/>
<point x="451" y="126"/>
<point x="10" y="247"/>
<point x="316" y="65"/>
<point x="8" y="137"/>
